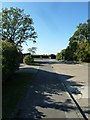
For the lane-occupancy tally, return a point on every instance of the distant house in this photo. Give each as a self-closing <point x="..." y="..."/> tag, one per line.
<point x="52" y="56"/>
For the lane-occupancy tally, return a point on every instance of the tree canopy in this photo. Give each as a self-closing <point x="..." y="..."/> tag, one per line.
<point x="79" y="44"/>
<point x="16" y="26"/>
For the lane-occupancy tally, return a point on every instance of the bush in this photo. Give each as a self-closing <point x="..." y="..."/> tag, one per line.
<point x="58" y="56"/>
<point x="28" y="59"/>
<point x="10" y="59"/>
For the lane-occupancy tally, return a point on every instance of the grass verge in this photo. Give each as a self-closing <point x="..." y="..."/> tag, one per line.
<point x="12" y="91"/>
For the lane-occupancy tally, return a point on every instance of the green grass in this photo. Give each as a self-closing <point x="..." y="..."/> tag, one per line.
<point x="12" y="91"/>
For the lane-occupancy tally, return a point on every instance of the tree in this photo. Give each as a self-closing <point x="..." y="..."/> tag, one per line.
<point x="58" y="57"/>
<point x="32" y="50"/>
<point x="83" y="51"/>
<point x="68" y="54"/>
<point x="79" y="44"/>
<point x="16" y="26"/>
<point x="82" y="32"/>
<point x="61" y="55"/>
<point x="71" y="49"/>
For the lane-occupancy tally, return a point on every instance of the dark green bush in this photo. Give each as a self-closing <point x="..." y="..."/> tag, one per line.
<point x="28" y="59"/>
<point x="10" y="59"/>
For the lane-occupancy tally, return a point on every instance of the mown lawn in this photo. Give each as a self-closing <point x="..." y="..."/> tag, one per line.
<point x="12" y="91"/>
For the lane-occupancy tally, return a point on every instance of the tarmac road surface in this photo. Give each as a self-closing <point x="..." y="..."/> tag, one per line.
<point x="78" y="84"/>
<point x="47" y="97"/>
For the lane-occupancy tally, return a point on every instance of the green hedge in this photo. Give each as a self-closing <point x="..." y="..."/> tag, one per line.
<point x="28" y="60"/>
<point x="10" y="59"/>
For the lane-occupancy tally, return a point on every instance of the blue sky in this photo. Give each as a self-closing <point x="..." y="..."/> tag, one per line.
<point x="54" y="22"/>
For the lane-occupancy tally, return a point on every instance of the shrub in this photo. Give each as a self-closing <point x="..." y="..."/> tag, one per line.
<point x="28" y="59"/>
<point x="10" y="59"/>
<point x="58" y="56"/>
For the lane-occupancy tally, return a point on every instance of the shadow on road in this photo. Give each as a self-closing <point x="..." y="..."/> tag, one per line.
<point x="40" y="94"/>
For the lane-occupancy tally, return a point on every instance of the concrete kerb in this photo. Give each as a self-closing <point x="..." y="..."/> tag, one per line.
<point x="73" y="98"/>
<point x="75" y="101"/>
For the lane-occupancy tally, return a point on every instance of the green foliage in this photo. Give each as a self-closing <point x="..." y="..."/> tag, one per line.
<point x="61" y="55"/>
<point x="79" y="44"/>
<point x="81" y="39"/>
<point x="83" y="51"/>
<point x="28" y="59"/>
<point x="10" y="59"/>
<point x="58" y="56"/>
<point x="16" y="26"/>
<point x="70" y="53"/>
<point x="32" y="50"/>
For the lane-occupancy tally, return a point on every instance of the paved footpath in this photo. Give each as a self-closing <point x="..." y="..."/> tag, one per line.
<point x="78" y="82"/>
<point x="47" y="97"/>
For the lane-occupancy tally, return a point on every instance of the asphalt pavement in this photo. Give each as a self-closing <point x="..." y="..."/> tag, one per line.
<point x="78" y="84"/>
<point x="46" y="97"/>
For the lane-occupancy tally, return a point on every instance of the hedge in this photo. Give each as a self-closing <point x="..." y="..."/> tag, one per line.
<point x="10" y="59"/>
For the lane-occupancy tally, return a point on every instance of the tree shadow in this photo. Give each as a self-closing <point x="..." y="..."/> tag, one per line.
<point x="41" y="94"/>
<point x="57" y="62"/>
<point x="73" y="86"/>
<point x="87" y="111"/>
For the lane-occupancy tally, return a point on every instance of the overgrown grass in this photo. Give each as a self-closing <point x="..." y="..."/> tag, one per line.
<point x="12" y="91"/>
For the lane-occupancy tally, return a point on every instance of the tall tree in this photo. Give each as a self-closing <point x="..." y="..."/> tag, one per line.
<point x="79" y="44"/>
<point x="16" y="26"/>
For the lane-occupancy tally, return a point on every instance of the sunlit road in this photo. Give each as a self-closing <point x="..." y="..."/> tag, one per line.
<point x="47" y="97"/>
